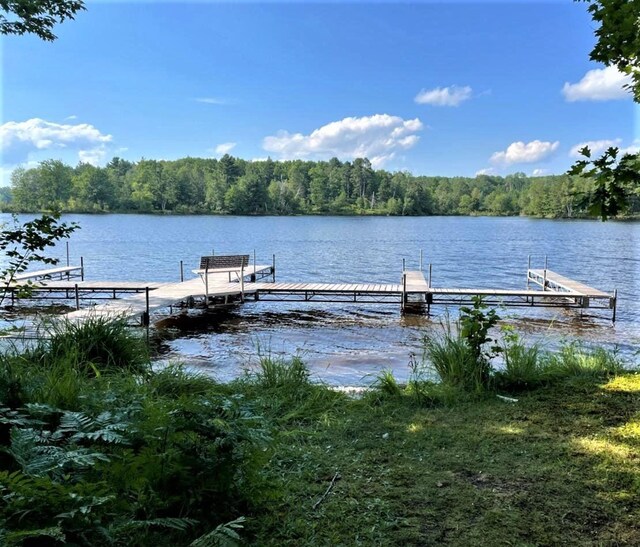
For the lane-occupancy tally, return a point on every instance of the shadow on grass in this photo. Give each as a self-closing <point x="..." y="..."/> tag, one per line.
<point x="558" y="466"/>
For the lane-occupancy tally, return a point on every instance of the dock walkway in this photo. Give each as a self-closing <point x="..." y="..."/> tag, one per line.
<point x="222" y="285"/>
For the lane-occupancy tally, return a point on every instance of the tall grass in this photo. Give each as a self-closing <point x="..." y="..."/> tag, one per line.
<point x="385" y="384"/>
<point x="523" y="367"/>
<point x="456" y="363"/>
<point x="95" y="346"/>
<point x="579" y="361"/>
<point x="281" y="373"/>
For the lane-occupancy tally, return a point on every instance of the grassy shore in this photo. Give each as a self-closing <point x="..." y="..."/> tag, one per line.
<point x="97" y="448"/>
<point x="557" y="466"/>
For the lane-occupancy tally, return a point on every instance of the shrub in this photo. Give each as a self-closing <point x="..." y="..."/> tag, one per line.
<point x="132" y="457"/>
<point x="475" y="324"/>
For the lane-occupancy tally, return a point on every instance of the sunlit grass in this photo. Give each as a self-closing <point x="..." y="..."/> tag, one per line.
<point x="627" y="383"/>
<point x="606" y="448"/>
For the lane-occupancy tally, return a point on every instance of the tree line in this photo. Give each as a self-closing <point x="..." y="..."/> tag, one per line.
<point x="235" y="186"/>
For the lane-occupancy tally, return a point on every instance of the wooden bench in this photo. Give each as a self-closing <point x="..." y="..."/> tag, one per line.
<point x="222" y="263"/>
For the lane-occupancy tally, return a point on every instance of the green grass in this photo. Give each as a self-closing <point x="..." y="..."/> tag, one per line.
<point x="559" y="466"/>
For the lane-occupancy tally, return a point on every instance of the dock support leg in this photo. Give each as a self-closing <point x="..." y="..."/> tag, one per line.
<point x="81" y="268"/>
<point x="242" y="284"/>
<point x="403" y="302"/>
<point x="206" y="285"/>
<point x="181" y="272"/>
<point x="77" y="297"/>
<point x="273" y="268"/>
<point x="145" y="315"/>
<point x="614" y="303"/>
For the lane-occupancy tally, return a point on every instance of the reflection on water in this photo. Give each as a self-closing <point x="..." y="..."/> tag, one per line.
<point x="344" y="343"/>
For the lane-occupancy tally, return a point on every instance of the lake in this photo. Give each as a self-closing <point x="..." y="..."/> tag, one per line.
<point x="345" y="343"/>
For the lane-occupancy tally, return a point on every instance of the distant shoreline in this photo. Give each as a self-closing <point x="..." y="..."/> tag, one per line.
<point x="631" y="218"/>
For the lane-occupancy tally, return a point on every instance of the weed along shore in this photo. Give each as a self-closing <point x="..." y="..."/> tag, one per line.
<point x="101" y="448"/>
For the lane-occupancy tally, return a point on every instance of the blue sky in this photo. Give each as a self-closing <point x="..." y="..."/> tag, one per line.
<point x="437" y="88"/>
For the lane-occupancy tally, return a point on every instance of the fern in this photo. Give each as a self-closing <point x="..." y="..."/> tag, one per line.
<point x="224" y="535"/>
<point x="17" y="538"/>
<point x="180" y="524"/>
<point x="106" y="427"/>
<point x="37" y="456"/>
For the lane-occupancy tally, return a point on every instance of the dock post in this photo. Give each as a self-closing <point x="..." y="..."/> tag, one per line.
<point x="615" y="305"/>
<point x="420" y="259"/>
<point x="77" y="297"/>
<point x="206" y="285"/>
<point x="254" y="276"/>
<point x="273" y="268"/>
<point x="145" y="315"/>
<point x="242" y="283"/>
<point x="528" y="269"/>
<point x="81" y="268"/>
<point x="68" y="264"/>
<point x="404" y="291"/>
<point x="403" y="265"/>
<point x="181" y="272"/>
<point x="429" y="282"/>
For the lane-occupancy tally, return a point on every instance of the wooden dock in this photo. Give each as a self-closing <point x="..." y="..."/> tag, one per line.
<point x="214" y="288"/>
<point x="230" y="279"/>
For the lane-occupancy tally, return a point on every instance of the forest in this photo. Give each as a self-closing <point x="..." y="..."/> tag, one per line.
<point x="235" y="186"/>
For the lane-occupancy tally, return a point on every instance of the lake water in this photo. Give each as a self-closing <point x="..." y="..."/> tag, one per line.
<point x="346" y="343"/>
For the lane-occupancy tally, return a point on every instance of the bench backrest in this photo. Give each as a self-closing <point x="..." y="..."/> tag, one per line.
<point x="223" y="261"/>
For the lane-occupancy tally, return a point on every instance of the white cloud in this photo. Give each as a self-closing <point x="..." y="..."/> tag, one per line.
<point x="633" y="148"/>
<point x="444" y="96"/>
<point x="376" y="137"/>
<point x="596" y="147"/>
<point x="486" y="171"/>
<point x="72" y="117"/>
<point x="94" y="156"/>
<point x="19" y="139"/>
<point x="224" y="148"/>
<point x="519" y="152"/>
<point x="600" y="84"/>
<point x="213" y="100"/>
<point x="538" y="172"/>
